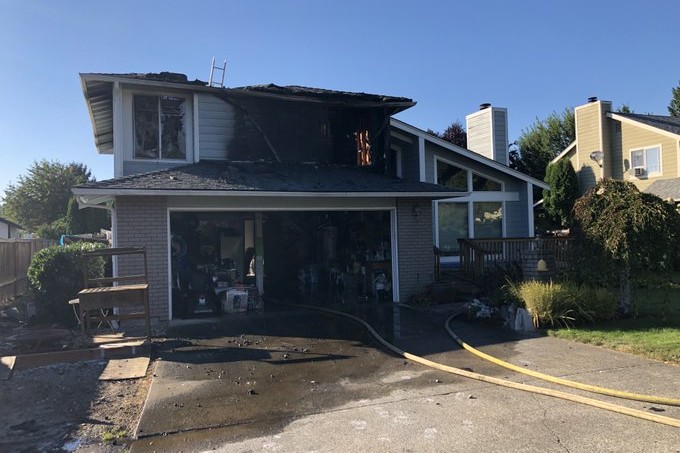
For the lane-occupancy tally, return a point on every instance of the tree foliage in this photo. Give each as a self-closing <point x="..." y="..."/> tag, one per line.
<point x="541" y="142"/>
<point x="88" y="220"/>
<point x="455" y="134"/>
<point x="674" y="104"/>
<point x="559" y="200"/>
<point x="42" y="196"/>
<point x="638" y="230"/>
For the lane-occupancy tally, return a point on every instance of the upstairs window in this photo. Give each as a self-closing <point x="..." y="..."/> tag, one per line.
<point x="160" y="127"/>
<point x="484" y="184"/>
<point x="646" y="159"/>
<point x="453" y="177"/>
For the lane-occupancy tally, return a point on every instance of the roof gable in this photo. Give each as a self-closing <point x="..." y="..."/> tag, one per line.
<point x="400" y="125"/>
<point x="663" y="124"/>
<point x="10" y="223"/>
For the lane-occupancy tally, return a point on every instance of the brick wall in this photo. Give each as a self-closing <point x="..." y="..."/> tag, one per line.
<point x="416" y="253"/>
<point x="142" y="221"/>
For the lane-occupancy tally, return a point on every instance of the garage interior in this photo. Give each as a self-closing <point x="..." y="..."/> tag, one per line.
<point x="320" y="257"/>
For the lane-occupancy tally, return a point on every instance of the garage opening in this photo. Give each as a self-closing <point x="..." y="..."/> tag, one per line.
<point x="324" y="257"/>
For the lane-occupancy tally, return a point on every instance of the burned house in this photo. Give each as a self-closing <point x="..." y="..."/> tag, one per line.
<point x="261" y="190"/>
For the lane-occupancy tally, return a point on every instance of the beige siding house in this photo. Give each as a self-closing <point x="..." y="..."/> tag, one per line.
<point x="642" y="149"/>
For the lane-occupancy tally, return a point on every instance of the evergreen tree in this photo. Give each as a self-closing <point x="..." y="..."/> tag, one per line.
<point x="541" y="142"/>
<point x="674" y="105"/>
<point x="559" y="200"/>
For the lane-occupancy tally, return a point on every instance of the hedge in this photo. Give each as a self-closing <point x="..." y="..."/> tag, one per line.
<point x="55" y="276"/>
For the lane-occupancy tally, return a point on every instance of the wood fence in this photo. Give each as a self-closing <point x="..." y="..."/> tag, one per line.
<point x="478" y="256"/>
<point x="15" y="257"/>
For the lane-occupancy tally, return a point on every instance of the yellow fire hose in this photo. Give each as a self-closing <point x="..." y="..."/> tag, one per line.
<point x="556" y="380"/>
<point x="492" y="380"/>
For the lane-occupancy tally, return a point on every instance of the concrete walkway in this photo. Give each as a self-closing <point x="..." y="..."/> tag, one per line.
<point x="301" y="382"/>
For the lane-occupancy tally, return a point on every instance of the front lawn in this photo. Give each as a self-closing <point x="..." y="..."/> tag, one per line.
<point x="653" y="331"/>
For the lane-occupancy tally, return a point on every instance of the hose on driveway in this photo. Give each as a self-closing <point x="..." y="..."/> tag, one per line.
<point x="556" y="380"/>
<point x="492" y="380"/>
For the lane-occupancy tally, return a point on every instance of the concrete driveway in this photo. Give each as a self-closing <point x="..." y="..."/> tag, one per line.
<point x="296" y="381"/>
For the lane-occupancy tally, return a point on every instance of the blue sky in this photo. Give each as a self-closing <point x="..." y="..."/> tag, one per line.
<point x="533" y="57"/>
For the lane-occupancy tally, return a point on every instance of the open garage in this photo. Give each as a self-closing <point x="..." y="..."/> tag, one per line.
<point x="223" y="262"/>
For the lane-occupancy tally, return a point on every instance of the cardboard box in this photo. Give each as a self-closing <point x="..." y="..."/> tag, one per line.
<point x="235" y="300"/>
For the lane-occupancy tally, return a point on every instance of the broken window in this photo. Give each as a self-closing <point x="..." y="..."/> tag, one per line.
<point x="160" y="131"/>
<point x="363" y="145"/>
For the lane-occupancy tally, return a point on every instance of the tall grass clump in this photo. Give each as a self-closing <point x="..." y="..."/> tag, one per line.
<point x="566" y="304"/>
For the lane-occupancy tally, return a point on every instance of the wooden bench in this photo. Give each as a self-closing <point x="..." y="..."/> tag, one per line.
<point x="101" y="296"/>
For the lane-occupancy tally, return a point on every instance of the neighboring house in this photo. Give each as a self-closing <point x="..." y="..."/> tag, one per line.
<point x="8" y="229"/>
<point x="285" y="187"/>
<point x="642" y="149"/>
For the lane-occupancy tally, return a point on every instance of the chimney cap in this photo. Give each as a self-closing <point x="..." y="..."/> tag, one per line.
<point x="485" y="105"/>
<point x="592" y="99"/>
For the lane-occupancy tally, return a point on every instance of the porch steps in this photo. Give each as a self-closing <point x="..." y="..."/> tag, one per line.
<point x="453" y="281"/>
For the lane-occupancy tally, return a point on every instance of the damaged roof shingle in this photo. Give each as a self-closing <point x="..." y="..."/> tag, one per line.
<point x="266" y="177"/>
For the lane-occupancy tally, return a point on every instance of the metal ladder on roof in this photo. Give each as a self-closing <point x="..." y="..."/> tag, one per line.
<point x="213" y="82"/>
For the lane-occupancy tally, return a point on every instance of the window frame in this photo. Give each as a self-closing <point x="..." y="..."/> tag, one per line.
<point x="187" y="125"/>
<point x="469" y="172"/>
<point x="644" y="150"/>
<point x="468" y="180"/>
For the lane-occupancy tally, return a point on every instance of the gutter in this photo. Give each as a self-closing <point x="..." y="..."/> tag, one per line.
<point x="83" y="193"/>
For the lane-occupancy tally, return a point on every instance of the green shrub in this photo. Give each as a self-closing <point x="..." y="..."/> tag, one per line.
<point x="55" y="276"/>
<point x="52" y="230"/>
<point x="563" y="304"/>
<point x="601" y="302"/>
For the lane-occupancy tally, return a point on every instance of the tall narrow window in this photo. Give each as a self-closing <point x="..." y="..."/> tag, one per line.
<point x="488" y="219"/>
<point x="653" y="157"/>
<point x="160" y="130"/>
<point x="452" y="223"/>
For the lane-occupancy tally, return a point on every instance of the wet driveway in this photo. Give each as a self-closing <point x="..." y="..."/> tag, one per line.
<point x="295" y="380"/>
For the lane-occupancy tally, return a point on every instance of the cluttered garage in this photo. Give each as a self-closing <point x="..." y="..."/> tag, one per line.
<point x="223" y="261"/>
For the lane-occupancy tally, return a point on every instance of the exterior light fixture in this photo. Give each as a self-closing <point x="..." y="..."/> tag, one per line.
<point x="416" y="210"/>
<point x="598" y="157"/>
<point x="542" y="266"/>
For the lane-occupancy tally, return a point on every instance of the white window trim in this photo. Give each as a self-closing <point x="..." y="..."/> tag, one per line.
<point x="128" y="108"/>
<point x="644" y="156"/>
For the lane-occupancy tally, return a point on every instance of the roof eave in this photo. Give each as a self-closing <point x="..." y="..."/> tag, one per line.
<point x="239" y="92"/>
<point x="629" y="120"/>
<point x="85" y="191"/>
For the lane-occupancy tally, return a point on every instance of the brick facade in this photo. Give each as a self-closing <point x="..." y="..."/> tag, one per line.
<point x="416" y="254"/>
<point x="143" y="221"/>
